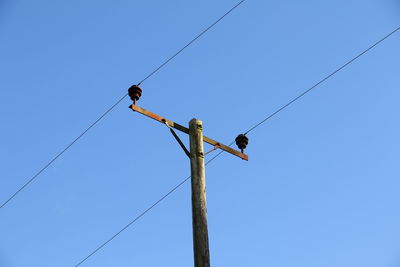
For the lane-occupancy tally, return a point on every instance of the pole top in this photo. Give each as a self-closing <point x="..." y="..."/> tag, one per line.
<point x="195" y="121"/>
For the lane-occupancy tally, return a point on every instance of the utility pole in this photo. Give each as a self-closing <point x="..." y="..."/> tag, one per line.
<point x="197" y="167"/>
<point x="199" y="203"/>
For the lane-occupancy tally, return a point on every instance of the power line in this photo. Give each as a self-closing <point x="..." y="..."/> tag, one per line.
<point x="251" y="129"/>
<point x="192" y="41"/>
<point x="322" y="81"/>
<point x="114" y="105"/>
<point x="62" y="152"/>
<point x="143" y="213"/>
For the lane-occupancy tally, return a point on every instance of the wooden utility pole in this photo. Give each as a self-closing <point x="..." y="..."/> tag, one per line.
<point x="196" y="154"/>
<point x="199" y="203"/>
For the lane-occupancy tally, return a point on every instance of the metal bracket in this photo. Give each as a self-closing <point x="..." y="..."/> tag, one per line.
<point x="215" y="148"/>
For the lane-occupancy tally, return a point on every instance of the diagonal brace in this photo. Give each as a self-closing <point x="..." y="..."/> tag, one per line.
<point x="180" y="142"/>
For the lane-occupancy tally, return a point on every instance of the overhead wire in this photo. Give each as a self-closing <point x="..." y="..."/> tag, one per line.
<point x="62" y="152"/>
<point x="192" y="41"/>
<point x="248" y="131"/>
<point x="323" y="80"/>
<point x="142" y="214"/>
<point x="116" y="103"/>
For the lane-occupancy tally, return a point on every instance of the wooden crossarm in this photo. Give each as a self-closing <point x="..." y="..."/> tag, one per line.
<point x="186" y="130"/>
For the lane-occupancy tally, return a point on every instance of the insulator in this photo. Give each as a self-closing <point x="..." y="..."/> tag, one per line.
<point x="242" y="141"/>
<point x="134" y="93"/>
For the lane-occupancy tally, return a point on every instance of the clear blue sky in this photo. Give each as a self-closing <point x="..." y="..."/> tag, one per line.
<point x="322" y="184"/>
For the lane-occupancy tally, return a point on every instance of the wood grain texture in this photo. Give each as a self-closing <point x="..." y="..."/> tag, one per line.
<point x="199" y="203"/>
